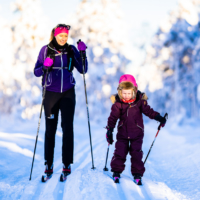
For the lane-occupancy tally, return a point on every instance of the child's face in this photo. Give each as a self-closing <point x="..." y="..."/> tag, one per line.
<point x="127" y="94"/>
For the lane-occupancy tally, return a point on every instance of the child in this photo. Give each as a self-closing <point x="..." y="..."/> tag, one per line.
<point x="128" y="107"/>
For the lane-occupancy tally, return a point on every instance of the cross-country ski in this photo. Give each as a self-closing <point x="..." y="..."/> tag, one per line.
<point x="45" y="178"/>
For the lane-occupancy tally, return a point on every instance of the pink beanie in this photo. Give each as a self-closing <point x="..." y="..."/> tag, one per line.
<point x="128" y="78"/>
<point x="59" y="30"/>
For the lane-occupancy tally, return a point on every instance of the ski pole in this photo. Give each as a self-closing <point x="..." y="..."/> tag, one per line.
<point x="43" y="96"/>
<point x="166" y="116"/>
<point x="83" y="65"/>
<point x="105" y="168"/>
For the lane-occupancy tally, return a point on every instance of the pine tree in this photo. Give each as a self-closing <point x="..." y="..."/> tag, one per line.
<point x="27" y="33"/>
<point x="174" y="58"/>
<point x="6" y="60"/>
<point x="99" y="24"/>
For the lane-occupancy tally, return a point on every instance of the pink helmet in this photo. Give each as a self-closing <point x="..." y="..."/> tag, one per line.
<point x="128" y="78"/>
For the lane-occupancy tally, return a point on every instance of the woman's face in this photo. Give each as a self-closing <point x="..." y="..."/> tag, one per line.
<point x="62" y="38"/>
<point x="127" y="94"/>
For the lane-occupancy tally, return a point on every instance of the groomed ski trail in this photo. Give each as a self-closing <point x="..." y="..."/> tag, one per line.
<point x="85" y="183"/>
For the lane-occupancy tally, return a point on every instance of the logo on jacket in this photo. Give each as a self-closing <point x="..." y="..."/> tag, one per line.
<point x="51" y="116"/>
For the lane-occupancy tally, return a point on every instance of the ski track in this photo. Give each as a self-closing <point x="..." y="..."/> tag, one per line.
<point x="53" y="188"/>
<point x="85" y="183"/>
<point x="49" y="189"/>
<point x="138" y="192"/>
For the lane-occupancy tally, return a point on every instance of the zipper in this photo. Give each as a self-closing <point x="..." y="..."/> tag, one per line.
<point x="61" y="73"/>
<point x="128" y="109"/>
<point x="131" y="107"/>
<point x="70" y="63"/>
<point x="140" y="127"/>
<point x="121" y="125"/>
<point x="61" y="68"/>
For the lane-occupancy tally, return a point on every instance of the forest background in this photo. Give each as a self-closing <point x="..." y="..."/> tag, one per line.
<point x="156" y="41"/>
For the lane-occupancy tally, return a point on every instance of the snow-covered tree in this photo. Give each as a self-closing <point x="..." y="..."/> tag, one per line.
<point x="99" y="24"/>
<point x="6" y="60"/>
<point x="20" y="90"/>
<point x="172" y="66"/>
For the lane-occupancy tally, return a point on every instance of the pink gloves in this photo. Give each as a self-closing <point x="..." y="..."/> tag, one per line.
<point x="81" y="46"/>
<point x="48" y="63"/>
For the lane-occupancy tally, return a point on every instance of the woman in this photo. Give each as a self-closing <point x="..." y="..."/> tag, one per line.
<point x="58" y="60"/>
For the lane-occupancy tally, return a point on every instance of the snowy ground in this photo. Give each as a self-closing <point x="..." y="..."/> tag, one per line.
<point x="172" y="171"/>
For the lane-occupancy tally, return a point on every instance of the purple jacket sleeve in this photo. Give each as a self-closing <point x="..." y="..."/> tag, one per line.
<point x="78" y="61"/>
<point x="38" y="70"/>
<point x="147" y="110"/>
<point x="114" y="116"/>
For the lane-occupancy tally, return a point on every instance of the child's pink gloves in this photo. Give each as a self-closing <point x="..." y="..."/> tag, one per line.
<point x="109" y="135"/>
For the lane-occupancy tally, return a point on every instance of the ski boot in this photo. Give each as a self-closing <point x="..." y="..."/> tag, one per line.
<point x="137" y="179"/>
<point x="116" y="176"/>
<point x="65" y="172"/>
<point x="48" y="171"/>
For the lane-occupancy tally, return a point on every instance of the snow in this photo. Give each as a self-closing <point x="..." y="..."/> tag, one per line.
<point x="172" y="169"/>
<point x="100" y="24"/>
<point x="171" y="65"/>
<point x="170" y="71"/>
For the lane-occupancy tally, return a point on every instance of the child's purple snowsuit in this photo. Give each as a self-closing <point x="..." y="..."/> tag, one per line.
<point x="130" y="130"/>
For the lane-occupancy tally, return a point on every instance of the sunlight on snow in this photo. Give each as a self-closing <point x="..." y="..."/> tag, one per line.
<point x="19" y="135"/>
<point x="17" y="149"/>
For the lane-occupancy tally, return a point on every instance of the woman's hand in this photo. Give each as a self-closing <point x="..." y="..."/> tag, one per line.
<point x="48" y="63"/>
<point x="81" y="46"/>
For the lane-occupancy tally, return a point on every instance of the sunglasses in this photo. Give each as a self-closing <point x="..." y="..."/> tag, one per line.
<point x="62" y="26"/>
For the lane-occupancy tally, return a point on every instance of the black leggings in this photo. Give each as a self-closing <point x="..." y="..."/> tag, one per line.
<point x="65" y="102"/>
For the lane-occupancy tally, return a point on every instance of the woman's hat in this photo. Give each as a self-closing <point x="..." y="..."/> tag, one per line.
<point x="61" y="28"/>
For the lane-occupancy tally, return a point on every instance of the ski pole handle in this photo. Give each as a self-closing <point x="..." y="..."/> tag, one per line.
<point x="166" y="117"/>
<point x="79" y="41"/>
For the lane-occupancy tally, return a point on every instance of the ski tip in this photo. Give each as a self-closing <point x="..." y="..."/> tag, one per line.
<point x="137" y="182"/>
<point x="43" y="179"/>
<point x="63" y="178"/>
<point x="116" y="179"/>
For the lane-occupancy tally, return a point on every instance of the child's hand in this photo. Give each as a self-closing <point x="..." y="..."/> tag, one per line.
<point x="160" y="119"/>
<point x="109" y="135"/>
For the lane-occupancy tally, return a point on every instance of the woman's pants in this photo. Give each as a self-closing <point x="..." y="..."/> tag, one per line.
<point x="65" y="102"/>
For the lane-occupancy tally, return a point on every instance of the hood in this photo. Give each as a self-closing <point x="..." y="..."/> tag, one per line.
<point x="115" y="97"/>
